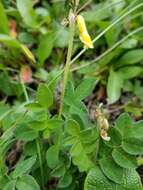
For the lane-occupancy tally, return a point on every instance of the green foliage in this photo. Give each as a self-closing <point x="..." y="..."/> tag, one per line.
<point x="9" y="40"/>
<point x="136" y="147"/>
<point x="123" y="159"/>
<point x="27" y="182"/>
<point x="131" y="57"/>
<point x="96" y="180"/>
<point x="23" y="167"/>
<point x="4" y="22"/>
<point x="78" y="148"/>
<point x="114" y="86"/>
<point x="44" y="96"/>
<point x="46" y="45"/>
<point x="27" y="12"/>
<point x="52" y="156"/>
<point x="111" y="169"/>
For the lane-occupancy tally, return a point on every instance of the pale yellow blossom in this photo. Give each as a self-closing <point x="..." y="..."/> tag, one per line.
<point x="84" y="36"/>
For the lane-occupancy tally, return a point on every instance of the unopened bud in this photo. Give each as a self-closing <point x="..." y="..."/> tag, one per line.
<point x="103" y="125"/>
<point x="104" y="135"/>
<point x="103" y="122"/>
<point x="28" y="53"/>
<point x="26" y="74"/>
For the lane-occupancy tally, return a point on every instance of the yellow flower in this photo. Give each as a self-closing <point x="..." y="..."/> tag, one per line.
<point x="84" y="36"/>
<point x="81" y="24"/>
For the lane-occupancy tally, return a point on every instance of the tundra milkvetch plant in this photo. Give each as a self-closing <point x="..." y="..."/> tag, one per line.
<point x="56" y="144"/>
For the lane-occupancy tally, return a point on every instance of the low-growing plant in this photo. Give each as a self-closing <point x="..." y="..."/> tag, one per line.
<point x="49" y="140"/>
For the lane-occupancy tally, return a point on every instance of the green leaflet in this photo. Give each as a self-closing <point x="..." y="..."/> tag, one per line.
<point x="23" y="167"/>
<point x="114" y="86"/>
<point x="27" y="12"/>
<point x="83" y="145"/>
<point x="27" y="182"/>
<point x="131" y="57"/>
<point x="9" y="41"/>
<point x="3" y="21"/>
<point x="124" y="159"/>
<point x="80" y="158"/>
<point x="46" y="44"/>
<point x="10" y="185"/>
<point x="113" y="171"/>
<point x="96" y="180"/>
<point x="44" y="96"/>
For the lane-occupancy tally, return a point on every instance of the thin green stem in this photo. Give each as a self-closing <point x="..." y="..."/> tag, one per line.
<point x="97" y="149"/>
<point x="67" y="65"/>
<point x="24" y="91"/>
<point x="117" y="21"/>
<point x="40" y="160"/>
<point x="101" y="9"/>
<point x="78" y="55"/>
<point x="37" y="140"/>
<point x="54" y="79"/>
<point x="109" y="50"/>
<point x="84" y="6"/>
<point x="129" y="6"/>
<point x="107" y="29"/>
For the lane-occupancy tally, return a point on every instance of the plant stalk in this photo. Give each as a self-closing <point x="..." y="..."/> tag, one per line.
<point x="68" y="60"/>
<point x="37" y="140"/>
<point x="40" y="160"/>
<point x="24" y="91"/>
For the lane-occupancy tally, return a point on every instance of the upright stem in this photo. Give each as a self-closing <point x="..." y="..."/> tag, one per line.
<point x="40" y="160"/>
<point x="37" y="140"/>
<point x="68" y="60"/>
<point x="24" y="91"/>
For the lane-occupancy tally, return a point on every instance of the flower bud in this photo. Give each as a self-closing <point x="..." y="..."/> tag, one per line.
<point x="104" y="135"/>
<point x="26" y="74"/>
<point x="28" y="53"/>
<point x="103" y="123"/>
